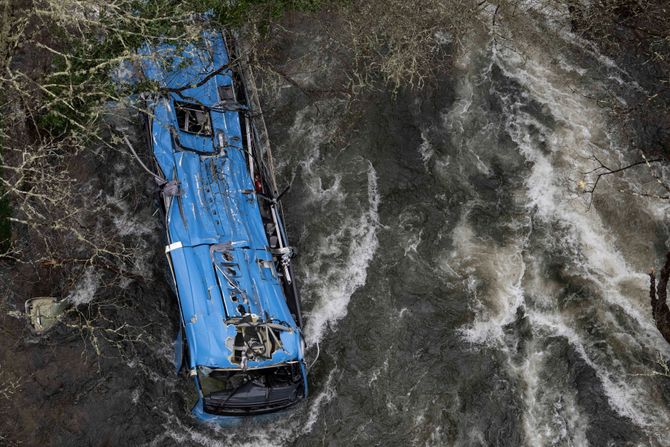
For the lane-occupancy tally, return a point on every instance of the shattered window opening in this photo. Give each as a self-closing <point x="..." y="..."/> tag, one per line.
<point x="234" y="392"/>
<point x="193" y="119"/>
<point x="226" y="93"/>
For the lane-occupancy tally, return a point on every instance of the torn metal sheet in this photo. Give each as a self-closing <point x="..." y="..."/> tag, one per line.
<point x="226" y="248"/>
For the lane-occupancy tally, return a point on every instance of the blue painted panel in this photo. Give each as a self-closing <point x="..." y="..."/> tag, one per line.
<point x="216" y="204"/>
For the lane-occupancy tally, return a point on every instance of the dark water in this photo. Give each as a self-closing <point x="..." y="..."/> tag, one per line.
<point x="458" y="287"/>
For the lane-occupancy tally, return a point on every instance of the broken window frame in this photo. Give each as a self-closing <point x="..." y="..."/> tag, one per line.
<point x="287" y="379"/>
<point x="192" y="110"/>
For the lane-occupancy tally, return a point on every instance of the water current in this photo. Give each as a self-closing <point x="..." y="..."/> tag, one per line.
<point x="459" y="287"/>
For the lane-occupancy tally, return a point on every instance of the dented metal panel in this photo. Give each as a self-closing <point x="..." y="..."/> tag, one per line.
<point x="227" y="277"/>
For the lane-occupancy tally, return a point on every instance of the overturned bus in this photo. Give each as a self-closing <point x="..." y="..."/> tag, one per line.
<point x="240" y="337"/>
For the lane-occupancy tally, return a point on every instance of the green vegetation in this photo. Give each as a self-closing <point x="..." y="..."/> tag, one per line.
<point x="64" y="81"/>
<point x="80" y="80"/>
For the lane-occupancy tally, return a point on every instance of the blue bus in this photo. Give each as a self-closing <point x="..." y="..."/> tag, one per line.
<point x="240" y="337"/>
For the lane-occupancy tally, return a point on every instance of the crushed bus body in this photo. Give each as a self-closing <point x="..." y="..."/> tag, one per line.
<point x="240" y="332"/>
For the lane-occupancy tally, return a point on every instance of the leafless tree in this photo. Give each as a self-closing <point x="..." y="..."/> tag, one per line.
<point x="62" y="106"/>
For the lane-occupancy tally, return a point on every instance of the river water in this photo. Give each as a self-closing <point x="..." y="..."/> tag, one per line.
<point x="455" y="280"/>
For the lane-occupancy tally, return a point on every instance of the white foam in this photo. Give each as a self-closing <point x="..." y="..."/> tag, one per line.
<point x="86" y="287"/>
<point x="596" y="257"/>
<point x="357" y="240"/>
<point x="413" y="241"/>
<point x="317" y="402"/>
<point x="310" y="134"/>
<point x="425" y="149"/>
<point x="623" y="391"/>
<point x="578" y="128"/>
<point x="126" y="220"/>
<point x="551" y="415"/>
<point x="504" y="270"/>
<point x="212" y="435"/>
<point x="548" y="195"/>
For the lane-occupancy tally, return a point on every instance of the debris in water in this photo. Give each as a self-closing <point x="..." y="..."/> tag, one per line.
<point x="44" y="313"/>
